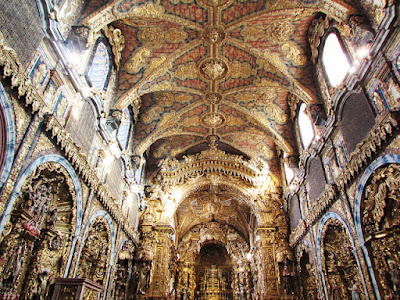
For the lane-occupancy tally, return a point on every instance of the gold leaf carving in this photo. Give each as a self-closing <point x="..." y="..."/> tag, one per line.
<point x="187" y="71"/>
<point x="266" y="97"/>
<point x="181" y="1"/>
<point x="43" y="144"/>
<point x="117" y="41"/>
<point x="191" y="121"/>
<point x="213" y="69"/>
<point x="138" y="61"/>
<point x="241" y="69"/>
<point x="152" y="114"/>
<point x="183" y="98"/>
<point x="164" y="98"/>
<point x="148" y="11"/>
<point x="175" y="36"/>
<point x="294" y="54"/>
<point x="155" y="63"/>
<point x="279" y="31"/>
<point x="253" y="33"/>
<point x="230" y="119"/>
<point x="151" y="37"/>
<point x="213" y="120"/>
<point x="166" y="117"/>
<point x="245" y="97"/>
<point x="161" y="86"/>
<point x="275" y="113"/>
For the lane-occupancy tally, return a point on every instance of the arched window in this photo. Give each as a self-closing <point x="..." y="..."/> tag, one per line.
<point x="289" y="174"/>
<point x="305" y="127"/>
<point x="335" y="61"/>
<point x="99" y="67"/>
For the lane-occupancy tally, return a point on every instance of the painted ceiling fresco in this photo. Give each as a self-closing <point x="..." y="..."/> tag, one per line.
<point x="213" y="67"/>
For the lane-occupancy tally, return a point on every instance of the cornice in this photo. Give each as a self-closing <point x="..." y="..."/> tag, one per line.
<point x="13" y="69"/>
<point x="358" y="161"/>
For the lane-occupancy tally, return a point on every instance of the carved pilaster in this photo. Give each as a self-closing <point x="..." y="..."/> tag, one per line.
<point x="267" y="235"/>
<point x="159" y="285"/>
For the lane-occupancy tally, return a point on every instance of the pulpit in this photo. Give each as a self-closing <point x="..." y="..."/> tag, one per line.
<point x="76" y="289"/>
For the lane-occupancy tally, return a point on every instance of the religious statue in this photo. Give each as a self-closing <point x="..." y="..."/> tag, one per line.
<point x="287" y="277"/>
<point x="41" y="285"/>
<point x="355" y="292"/>
<point x="336" y="290"/>
<point x="143" y="277"/>
<point x="14" y="265"/>
<point x="394" y="277"/>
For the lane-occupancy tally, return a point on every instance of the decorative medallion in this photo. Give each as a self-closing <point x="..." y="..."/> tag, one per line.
<point x="213" y="120"/>
<point x="213" y="69"/>
<point x="213" y="98"/>
<point x="214" y="34"/>
<point x="279" y="31"/>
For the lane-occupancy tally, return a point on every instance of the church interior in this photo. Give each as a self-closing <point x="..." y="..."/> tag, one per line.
<point x="199" y="149"/>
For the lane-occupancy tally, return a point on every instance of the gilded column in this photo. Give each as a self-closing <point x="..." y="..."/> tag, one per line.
<point x="267" y="236"/>
<point x="160" y="282"/>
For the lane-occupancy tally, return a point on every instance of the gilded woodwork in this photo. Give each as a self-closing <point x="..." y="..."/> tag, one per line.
<point x="38" y="236"/>
<point x="269" y="274"/>
<point x="307" y="271"/>
<point x="95" y="254"/>
<point x="339" y="264"/>
<point x="12" y="68"/>
<point x="380" y="220"/>
<point x="381" y="132"/>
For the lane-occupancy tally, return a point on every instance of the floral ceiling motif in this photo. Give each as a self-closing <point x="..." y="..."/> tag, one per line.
<point x="214" y="67"/>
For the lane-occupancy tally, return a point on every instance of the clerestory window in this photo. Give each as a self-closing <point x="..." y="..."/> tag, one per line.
<point x="335" y="61"/>
<point x="305" y="127"/>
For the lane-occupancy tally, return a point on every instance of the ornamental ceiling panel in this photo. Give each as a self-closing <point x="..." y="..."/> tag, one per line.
<point x="160" y="109"/>
<point x="281" y="38"/>
<point x="194" y="69"/>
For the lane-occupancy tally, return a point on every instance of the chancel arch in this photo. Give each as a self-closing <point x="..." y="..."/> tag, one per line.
<point x="231" y="250"/>
<point x="38" y="236"/>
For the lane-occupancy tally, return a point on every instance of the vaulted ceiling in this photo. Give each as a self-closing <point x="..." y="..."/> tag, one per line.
<point x="220" y="68"/>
